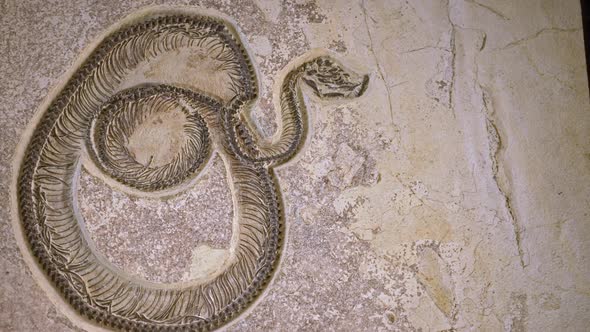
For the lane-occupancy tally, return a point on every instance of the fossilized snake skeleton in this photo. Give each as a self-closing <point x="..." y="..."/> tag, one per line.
<point x="93" y="114"/>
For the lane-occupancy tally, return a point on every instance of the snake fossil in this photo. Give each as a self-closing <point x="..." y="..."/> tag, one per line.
<point x="95" y="114"/>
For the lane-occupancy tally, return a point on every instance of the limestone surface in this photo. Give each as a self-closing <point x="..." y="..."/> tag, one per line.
<point x="453" y="195"/>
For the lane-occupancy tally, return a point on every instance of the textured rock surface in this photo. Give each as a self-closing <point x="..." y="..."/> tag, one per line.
<point x="453" y="195"/>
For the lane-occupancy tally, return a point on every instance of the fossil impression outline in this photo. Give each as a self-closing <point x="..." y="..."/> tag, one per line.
<point x="94" y="115"/>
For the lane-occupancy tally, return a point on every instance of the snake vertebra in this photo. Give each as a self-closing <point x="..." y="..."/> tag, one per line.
<point x="93" y="110"/>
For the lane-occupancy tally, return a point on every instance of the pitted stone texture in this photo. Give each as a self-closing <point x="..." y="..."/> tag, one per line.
<point x="470" y="209"/>
<point x="153" y="238"/>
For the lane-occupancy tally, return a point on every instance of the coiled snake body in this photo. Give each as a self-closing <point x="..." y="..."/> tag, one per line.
<point x="94" y="115"/>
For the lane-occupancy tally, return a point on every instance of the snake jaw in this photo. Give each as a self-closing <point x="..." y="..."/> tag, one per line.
<point x="360" y="88"/>
<point x="329" y="79"/>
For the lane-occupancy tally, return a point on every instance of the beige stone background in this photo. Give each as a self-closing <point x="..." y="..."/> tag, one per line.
<point x="455" y="195"/>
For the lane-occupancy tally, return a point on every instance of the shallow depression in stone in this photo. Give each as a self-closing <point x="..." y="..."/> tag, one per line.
<point x="151" y="237"/>
<point x="156" y="141"/>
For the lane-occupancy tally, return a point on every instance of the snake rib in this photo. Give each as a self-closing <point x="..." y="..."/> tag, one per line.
<point x="97" y="111"/>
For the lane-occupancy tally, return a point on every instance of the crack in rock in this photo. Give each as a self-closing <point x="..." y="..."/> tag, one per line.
<point x="490" y="9"/>
<point x="495" y="147"/>
<point x="537" y="34"/>
<point x="379" y="67"/>
<point x="453" y="50"/>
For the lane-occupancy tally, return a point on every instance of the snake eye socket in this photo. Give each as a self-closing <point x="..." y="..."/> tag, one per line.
<point x="328" y="79"/>
<point x="145" y="139"/>
<point x="312" y="84"/>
